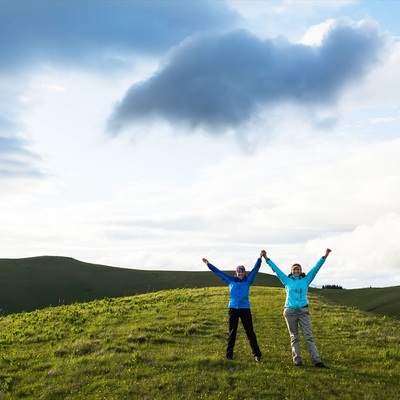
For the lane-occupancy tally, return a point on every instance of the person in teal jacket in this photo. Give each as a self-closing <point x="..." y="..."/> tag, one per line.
<point x="296" y="310"/>
<point x="239" y="306"/>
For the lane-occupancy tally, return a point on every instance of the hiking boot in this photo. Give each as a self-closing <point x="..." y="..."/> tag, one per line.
<point x="320" y="365"/>
<point x="298" y="364"/>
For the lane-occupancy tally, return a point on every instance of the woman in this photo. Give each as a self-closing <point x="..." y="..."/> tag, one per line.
<point x="239" y="306"/>
<point x="296" y="307"/>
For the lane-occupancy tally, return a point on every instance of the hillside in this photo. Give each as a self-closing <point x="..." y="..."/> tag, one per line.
<point x="28" y="284"/>
<point x="170" y="345"/>
<point x="385" y="301"/>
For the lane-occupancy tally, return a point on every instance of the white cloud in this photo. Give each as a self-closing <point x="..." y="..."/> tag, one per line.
<point x="316" y="34"/>
<point x="273" y="18"/>
<point x="368" y="255"/>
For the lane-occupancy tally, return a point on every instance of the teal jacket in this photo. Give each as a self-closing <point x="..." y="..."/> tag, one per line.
<point x="238" y="289"/>
<point x="296" y="287"/>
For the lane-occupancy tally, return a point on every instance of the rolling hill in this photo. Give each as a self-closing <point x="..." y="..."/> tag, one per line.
<point x="29" y="284"/>
<point x="384" y="301"/>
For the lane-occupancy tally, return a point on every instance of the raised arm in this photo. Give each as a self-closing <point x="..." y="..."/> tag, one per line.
<point x="256" y="268"/>
<point x="313" y="272"/>
<point x="217" y="272"/>
<point x="280" y="274"/>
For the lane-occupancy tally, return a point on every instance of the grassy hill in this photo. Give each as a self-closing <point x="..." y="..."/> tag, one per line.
<point x="33" y="283"/>
<point x="29" y="284"/>
<point x="385" y="301"/>
<point x="170" y="345"/>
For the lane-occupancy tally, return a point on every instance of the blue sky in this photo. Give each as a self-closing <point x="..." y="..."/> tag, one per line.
<point x="150" y="134"/>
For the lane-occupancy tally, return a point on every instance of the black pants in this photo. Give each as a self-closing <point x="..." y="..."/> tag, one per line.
<point x="245" y="316"/>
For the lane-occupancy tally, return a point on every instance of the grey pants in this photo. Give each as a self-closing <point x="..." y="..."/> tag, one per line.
<point x="301" y="317"/>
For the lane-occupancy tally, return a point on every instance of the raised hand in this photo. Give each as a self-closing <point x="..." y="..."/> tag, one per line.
<point x="327" y="252"/>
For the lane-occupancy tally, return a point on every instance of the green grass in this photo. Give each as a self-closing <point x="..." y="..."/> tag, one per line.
<point x="170" y="345"/>
<point x="385" y="301"/>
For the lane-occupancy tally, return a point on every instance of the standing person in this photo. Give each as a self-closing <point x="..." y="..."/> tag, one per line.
<point x="239" y="306"/>
<point x="296" y="307"/>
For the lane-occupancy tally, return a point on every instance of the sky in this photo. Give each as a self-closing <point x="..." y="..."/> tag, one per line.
<point x="151" y="134"/>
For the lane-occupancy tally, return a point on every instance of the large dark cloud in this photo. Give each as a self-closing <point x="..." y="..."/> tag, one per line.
<point x="99" y="32"/>
<point x="220" y="80"/>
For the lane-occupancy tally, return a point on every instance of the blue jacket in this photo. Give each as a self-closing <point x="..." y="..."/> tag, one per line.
<point x="296" y="287"/>
<point x="238" y="289"/>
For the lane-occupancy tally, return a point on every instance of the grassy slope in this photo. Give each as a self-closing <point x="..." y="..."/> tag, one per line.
<point x="385" y="301"/>
<point x="38" y="282"/>
<point x="170" y="345"/>
<point x="33" y="283"/>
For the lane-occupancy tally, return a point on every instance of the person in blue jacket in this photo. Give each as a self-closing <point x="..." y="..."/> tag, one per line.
<point x="239" y="306"/>
<point x="296" y="310"/>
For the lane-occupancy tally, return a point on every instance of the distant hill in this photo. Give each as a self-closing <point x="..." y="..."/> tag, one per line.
<point x="29" y="284"/>
<point x="384" y="301"/>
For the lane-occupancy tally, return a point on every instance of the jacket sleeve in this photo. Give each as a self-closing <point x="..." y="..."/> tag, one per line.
<point x="254" y="271"/>
<point x="314" y="270"/>
<point x="219" y="273"/>
<point x="280" y="274"/>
